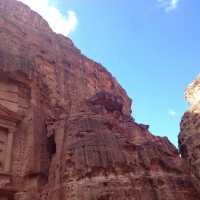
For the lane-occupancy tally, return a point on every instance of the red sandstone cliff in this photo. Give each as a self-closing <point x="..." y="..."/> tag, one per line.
<point x="189" y="138"/>
<point x="66" y="130"/>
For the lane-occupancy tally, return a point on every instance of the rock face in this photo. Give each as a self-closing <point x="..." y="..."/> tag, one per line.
<point x="66" y="130"/>
<point x="189" y="138"/>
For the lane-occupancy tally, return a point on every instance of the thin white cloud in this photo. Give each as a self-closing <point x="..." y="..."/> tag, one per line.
<point x="57" y="21"/>
<point x="172" y="113"/>
<point x="168" y="5"/>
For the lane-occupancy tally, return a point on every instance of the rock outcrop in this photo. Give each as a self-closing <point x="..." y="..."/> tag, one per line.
<point x="66" y="130"/>
<point x="189" y="138"/>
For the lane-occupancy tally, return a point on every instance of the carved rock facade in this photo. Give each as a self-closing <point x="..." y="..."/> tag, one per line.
<point x="66" y="130"/>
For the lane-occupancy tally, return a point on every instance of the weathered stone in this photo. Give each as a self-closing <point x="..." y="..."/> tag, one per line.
<point x="66" y="130"/>
<point x="144" y="126"/>
<point x="189" y="138"/>
<point x="108" y="101"/>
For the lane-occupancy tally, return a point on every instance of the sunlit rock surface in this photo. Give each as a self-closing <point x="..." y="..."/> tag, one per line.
<point x="192" y="93"/>
<point x="66" y="130"/>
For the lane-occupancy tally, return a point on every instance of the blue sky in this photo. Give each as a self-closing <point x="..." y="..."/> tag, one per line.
<point x="151" y="47"/>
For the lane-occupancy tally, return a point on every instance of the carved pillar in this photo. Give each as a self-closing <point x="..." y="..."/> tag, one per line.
<point x="9" y="150"/>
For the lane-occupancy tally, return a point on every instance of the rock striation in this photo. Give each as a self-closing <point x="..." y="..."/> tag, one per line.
<point x="66" y="130"/>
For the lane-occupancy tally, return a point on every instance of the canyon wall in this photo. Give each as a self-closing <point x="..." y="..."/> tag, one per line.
<point x="189" y="137"/>
<point x="66" y="129"/>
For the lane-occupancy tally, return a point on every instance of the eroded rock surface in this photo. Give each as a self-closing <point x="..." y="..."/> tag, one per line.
<point x="66" y="130"/>
<point x="189" y="138"/>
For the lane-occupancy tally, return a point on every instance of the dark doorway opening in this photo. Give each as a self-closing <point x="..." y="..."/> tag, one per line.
<point x="51" y="146"/>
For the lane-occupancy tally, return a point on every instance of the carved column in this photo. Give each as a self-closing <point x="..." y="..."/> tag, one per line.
<point x="9" y="150"/>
